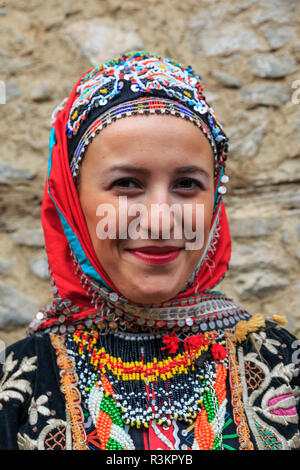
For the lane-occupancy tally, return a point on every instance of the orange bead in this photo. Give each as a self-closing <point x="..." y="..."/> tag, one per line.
<point x="103" y="427"/>
<point x="106" y="385"/>
<point x="203" y="431"/>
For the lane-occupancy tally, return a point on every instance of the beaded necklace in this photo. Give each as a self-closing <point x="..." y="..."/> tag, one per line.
<point x="151" y="380"/>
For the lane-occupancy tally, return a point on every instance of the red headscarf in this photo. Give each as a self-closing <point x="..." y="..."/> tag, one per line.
<point x="70" y="252"/>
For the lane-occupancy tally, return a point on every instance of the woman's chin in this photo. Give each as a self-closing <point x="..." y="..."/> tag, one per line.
<point x="151" y="296"/>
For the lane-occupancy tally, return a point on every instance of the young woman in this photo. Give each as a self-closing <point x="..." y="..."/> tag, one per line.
<point x="137" y="350"/>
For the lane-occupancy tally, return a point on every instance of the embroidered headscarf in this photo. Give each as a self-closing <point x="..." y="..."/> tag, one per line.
<point x="135" y="83"/>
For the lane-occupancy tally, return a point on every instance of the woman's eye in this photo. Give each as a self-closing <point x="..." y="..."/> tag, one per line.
<point x="125" y="183"/>
<point x="188" y="184"/>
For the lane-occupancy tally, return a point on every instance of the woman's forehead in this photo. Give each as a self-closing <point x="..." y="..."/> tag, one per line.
<point x="151" y="142"/>
<point x="147" y="132"/>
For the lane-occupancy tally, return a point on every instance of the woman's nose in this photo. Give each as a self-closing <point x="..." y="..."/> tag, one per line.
<point x="159" y="218"/>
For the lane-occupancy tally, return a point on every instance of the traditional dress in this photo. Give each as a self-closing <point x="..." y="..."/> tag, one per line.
<point x="98" y="371"/>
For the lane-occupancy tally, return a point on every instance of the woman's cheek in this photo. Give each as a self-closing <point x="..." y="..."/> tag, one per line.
<point x="197" y="223"/>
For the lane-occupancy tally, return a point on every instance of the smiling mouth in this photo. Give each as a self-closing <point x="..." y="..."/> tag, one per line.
<point x="156" y="254"/>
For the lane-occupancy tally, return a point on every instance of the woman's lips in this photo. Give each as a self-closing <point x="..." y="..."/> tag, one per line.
<point x="156" y="254"/>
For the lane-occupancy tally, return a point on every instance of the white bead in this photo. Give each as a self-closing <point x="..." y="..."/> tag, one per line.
<point x="113" y="296"/>
<point x="135" y="87"/>
<point x="203" y="110"/>
<point x="222" y="190"/>
<point x="224" y="179"/>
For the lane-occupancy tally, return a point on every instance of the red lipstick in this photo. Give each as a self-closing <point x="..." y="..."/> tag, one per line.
<point x="156" y="254"/>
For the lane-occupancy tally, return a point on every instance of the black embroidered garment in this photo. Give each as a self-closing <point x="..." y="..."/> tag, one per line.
<point x="36" y="413"/>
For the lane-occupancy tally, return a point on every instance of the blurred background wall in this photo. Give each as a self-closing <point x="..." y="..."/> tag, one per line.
<point x="248" y="55"/>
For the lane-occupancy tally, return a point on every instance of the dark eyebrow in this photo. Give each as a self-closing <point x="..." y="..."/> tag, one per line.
<point x="191" y="169"/>
<point x="139" y="170"/>
<point x="128" y="168"/>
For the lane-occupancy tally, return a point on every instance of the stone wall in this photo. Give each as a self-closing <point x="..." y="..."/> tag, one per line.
<point x="247" y="53"/>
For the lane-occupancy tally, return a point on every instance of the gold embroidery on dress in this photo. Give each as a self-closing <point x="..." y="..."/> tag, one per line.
<point x="277" y="404"/>
<point x="25" y="442"/>
<point x="236" y="397"/>
<point x="56" y="435"/>
<point x="38" y="406"/>
<point x="12" y="386"/>
<point x="69" y="380"/>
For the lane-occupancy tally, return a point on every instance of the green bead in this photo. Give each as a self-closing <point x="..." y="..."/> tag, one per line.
<point x="216" y="445"/>
<point x="113" y="445"/>
<point x="108" y="405"/>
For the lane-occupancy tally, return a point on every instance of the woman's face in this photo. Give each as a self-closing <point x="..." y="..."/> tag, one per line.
<point x="158" y="162"/>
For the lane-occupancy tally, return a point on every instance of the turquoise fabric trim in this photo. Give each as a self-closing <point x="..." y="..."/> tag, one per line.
<point x="72" y="238"/>
<point x="211" y="292"/>
<point x="52" y="142"/>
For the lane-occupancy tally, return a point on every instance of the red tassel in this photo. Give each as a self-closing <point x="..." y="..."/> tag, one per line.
<point x="218" y="352"/>
<point x="195" y="342"/>
<point x="172" y="342"/>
